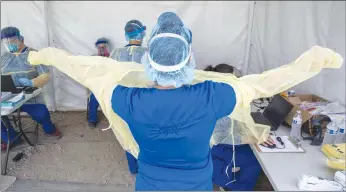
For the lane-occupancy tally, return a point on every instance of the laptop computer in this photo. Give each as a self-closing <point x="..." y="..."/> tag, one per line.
<point x="7" y="85"/>
<point x="274" y="114"/>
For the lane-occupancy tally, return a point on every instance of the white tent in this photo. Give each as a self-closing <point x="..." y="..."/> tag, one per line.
<point x="252" y="36"/>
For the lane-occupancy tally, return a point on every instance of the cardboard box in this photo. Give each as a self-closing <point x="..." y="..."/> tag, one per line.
<point x="296" y="101"/>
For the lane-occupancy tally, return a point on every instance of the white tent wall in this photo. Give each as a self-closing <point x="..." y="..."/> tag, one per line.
<point x="219" y="28"/>
<point x="283" y="30"/>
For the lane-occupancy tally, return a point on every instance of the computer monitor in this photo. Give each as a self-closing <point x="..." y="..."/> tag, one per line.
<point x="277" y="110"/>
<point x="7" y="84"/>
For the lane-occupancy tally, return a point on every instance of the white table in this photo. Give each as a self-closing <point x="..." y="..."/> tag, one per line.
<point x="9" y="111"/>
<point x="284" y="169"/>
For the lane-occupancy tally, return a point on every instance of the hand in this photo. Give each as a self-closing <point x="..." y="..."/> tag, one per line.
<point x="269" y="141"/>
<point x="25" y="82"/>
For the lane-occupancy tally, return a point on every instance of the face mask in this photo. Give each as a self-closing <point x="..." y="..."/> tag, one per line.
<point x="12" y="47"/>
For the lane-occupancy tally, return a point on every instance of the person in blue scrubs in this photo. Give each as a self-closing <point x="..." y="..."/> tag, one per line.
<point x="14" y="63"/>
<point x="249" y="168"/>
<point x="102" y="46"/>
<point x="173" y="121"/>
<point x="132" y="52"/>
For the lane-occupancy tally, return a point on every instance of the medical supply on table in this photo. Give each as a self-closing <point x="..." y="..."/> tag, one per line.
<point x="335" y="155"/>
<point x="340" y="177"/>
<point x="297" y="127"/>
<point x="341" y="136"/>
<point x="322" y="107"/>
<point x="330" y="134"/>
<point x="13" y="101"/>
<point x="5" y="96"/>
<point x="312" y="183"/>
<point x="87" y="71"/>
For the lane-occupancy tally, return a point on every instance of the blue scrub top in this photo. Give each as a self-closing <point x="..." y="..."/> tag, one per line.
<point x="173" y="128"/>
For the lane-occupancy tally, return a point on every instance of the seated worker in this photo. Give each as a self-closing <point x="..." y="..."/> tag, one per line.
<point x="133" y="51"/>
<point x="224" y="68"/>
<point x="247" y="166"/>
<point x="103" y="50"/>
<point x="14" y="62"/>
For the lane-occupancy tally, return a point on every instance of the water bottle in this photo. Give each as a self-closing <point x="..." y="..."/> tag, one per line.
<point x="296" y="127"/>
<point x="341" y="136"/>
<point x="331" y="132"/>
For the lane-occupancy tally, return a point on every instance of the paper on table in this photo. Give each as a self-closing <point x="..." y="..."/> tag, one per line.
<point x="16" y="98"/>
<point x="289" y="147"/>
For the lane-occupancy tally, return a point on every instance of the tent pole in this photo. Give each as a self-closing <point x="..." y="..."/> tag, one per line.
<point x="52" y="81"/>
<point x="252" y="5"/>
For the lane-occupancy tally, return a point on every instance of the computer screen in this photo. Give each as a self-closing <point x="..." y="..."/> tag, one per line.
<point x="277" y="110"/>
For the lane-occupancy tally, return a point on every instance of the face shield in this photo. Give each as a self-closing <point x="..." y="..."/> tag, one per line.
<point x="169" y="52"/>
<point x="103" y="49"/>
<point x="134" y="30"/>
<point x="12" y="44"/>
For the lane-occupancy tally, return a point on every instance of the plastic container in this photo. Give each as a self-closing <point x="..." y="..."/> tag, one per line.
<point x="341" y="136"/>
<point x="331" y="132"/>
<point x="296" y="127"/>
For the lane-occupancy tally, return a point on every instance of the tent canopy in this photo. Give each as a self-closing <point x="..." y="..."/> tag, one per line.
<point x="251" y="36"/>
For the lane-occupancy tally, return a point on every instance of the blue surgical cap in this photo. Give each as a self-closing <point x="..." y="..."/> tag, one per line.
<point x="8" y="32"/>
<point x="134" y="30"/>
<point x="101" y="40"/>
<point x="170" y="43"/>
<point x="169" y="60"/>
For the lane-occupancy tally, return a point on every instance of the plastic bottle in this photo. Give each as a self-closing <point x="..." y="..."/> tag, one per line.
<point x="296" y="127"/>
<point x="341" y="136"/>
<point x="331" y="132"/>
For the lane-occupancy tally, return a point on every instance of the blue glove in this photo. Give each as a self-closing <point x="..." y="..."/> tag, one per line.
<point x="25" y="82"/>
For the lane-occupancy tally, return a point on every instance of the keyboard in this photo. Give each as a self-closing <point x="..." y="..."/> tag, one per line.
<point x="260" y="119"/>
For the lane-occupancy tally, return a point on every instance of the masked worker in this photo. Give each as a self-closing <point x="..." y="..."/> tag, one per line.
<point x="247" y="168"/>
<point x="170" y="126"/>
<point x="103" y="50"/>
<point x="133" y="51"/>
<point x="173" y="122"/>
<point x="14" y="63"/>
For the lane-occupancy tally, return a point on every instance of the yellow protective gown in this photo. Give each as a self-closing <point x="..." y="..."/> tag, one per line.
<point x="101" y="75"/>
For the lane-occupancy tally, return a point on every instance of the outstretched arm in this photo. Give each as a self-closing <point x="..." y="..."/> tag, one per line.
<point x="287" y="76"/>
<point x="84" y="69"/>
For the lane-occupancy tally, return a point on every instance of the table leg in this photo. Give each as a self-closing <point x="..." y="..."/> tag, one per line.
<point x="4" y="168"/>
<point x="21" y="128"/>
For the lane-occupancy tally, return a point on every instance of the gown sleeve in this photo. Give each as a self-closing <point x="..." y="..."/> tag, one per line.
<point x="223" y="99"/>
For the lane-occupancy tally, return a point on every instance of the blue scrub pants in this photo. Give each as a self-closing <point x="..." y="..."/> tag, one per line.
<point x="93" y="105"/>
<point x="246" y="177"/>
<point x="132" y="162"/>
<point x="38" y="113"/>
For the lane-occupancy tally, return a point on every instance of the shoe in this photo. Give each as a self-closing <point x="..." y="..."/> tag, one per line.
<point x="92" y="125"/>
<point x="4" y="144"/>
<point x="56" y="134"/>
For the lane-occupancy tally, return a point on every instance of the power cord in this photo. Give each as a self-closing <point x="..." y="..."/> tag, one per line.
<point x="261" y="105"/>
<point x="279" y="140"/>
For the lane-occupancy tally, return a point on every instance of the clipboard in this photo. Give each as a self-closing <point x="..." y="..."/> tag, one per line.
<point x="289" y="147"/>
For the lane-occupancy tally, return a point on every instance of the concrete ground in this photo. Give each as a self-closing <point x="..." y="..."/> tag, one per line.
<point x="82" y="155"/>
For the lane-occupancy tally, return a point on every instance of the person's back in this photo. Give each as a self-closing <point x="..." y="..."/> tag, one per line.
<point x="129" y="53"/>
<point x="173" y="128"/>
<point x="133" y="51"/>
